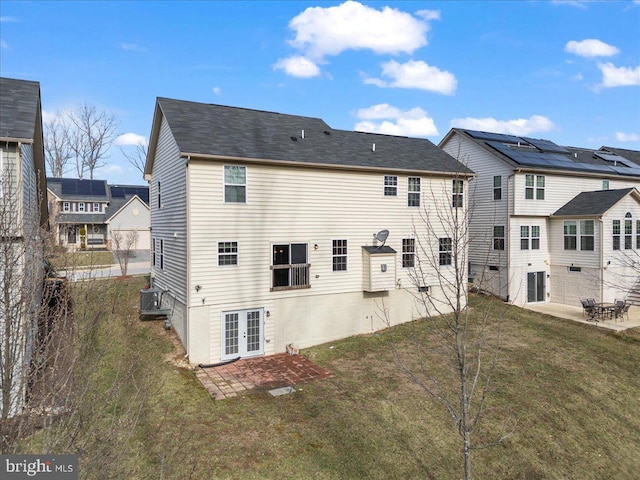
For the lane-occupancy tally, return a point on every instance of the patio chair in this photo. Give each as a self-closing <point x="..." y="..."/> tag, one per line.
<point x="625" y="311"/>
<point x="620" y="304"/>
<point x="588" y="309"/>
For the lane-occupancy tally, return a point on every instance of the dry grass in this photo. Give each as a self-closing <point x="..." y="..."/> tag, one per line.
<point x="571" y="391"/>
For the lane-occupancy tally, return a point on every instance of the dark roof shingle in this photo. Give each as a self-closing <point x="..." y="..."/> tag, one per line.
<point x="222" y="131"/>
<point x="592" y="203"/>
<point x="19" y="102"/>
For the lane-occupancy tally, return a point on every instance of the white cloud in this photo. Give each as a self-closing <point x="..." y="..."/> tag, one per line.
<point x="413" y="123"/>
<point x="519" y="127"/>
<point x="613" y="76"/>
<point x="8" y="19"/>
<point x="321" y="32"/>
<point x="298" y="66"/>
<point x="627" y="137"/>
<point x="415" y="74"/>
<point x="591" y="47"/>
<point x="131" y="139"/>
<point x="110" y="168"/>
<point x="216" y="90"/>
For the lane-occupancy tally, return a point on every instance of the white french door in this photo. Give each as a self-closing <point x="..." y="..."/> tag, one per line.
<point x="242" y="333"/>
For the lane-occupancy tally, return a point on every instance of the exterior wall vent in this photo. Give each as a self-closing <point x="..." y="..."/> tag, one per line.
<point x="373" y="147"/>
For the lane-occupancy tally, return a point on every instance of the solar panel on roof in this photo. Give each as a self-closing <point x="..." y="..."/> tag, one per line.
<point x="546" y="145"/>
<point x="610" y="157"/>
<point x="495" y="137"/>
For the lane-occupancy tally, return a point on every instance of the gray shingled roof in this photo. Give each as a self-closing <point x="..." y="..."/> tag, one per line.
<point x="19" y="100"/>
<point x="632" y="155"/>
<point x="204" y="129"/>
<point x="592" y="203"/>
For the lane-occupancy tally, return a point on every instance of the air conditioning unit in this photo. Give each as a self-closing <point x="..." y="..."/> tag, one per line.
<point x="149" y="299"/>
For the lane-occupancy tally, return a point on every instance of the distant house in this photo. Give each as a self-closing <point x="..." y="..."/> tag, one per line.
<point x="263" y="227"/>
<point x="550" y="223"/>
<point x="86" y="212"/>
<point x="23" y="217"/>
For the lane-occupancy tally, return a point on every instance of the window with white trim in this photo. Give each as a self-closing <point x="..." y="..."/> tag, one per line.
<point x="524" y="237"/>
<point x="497" y="187"/>
<point x="457" y="199"/>
<point x="339" y="255"/>
<point x="290" y="267"/>
<point x="96" y="207"/>
<point x="390" y="186"/>
<point x="615" y="234"/>
<point x="235" y="184"/>
<point x="605" y="184"/>
<point x="535" y="237"/>
<point x="534" y="184"/>
<point x="81" y="206"/>
<point x="444" y="257"/>
<point x="66" y="207"/>
<point x="587" y="235"/>
<point x="498" y="237"/>
<point x="408" y="252"/>
<point x="638" y="234"/>
<point x="227" y="253"/>
<point x="628" y="231"/>
<point x="413" y="194"/>
<point x="570" y="235"/>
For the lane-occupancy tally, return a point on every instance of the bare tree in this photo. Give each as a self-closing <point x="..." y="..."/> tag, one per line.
<point x="93" y="133"/>
<point x="57" y="145"/>
<point x="123" y="246"/>
<point x="454" y="363"/>
<point x="137" y="158"/>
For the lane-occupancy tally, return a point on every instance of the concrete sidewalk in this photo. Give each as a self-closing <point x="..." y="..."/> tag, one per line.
<point x="575" y="313"/>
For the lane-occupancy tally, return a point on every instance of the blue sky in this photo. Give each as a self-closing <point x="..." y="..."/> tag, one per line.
<point x="568" y="71"/>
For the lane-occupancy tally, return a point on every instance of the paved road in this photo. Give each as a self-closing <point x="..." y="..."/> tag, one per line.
<point x="139" y="264"/>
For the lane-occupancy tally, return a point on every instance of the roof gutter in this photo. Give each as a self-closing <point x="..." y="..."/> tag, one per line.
<point x="198" y="156"/>
<point x="16" y="140"/>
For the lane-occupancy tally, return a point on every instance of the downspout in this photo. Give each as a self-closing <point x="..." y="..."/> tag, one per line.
<point x="601" y="259"/>
<point x="510" y="178"/>
<point x="187" y="246"/>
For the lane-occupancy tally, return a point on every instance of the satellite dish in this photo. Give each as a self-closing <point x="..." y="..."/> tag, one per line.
<point x="381" y="236"/>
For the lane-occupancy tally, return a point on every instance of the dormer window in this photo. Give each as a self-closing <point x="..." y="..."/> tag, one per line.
<point x="96" y="207"/>
<point x="66" y="207"/>
<point x="81" y="206"/>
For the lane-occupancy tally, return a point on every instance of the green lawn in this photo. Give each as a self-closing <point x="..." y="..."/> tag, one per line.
<point x="82" y="259"/>
<point x="569" y="392"/>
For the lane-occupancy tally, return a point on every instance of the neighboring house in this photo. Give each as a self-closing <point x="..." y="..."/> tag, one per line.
<point x="550" y="223"/>
<point x="95" y="209"/>
<point x="23" y="215"/>
<point x="263" y="223"/>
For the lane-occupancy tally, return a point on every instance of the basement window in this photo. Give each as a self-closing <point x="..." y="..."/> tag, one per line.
<point x="575" y="269"/>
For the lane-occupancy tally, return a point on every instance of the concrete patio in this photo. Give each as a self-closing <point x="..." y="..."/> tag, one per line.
<point x="575" y="313"/>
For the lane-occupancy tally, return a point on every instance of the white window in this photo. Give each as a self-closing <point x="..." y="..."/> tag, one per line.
<point x="235" y="184"/>
<point x="458" y="194"/>
<point x="444" y="257"/>
<point x="390" y="186"/>
<point x="227" y="253"/>
<point x="524" y="237"/>
<point x="81" y="206"/>
<point x="535" y="237"/>
<point x="413" y="194"/>
<point x="530" y="237"/>
<point x="66" y="207"/>
<point x="605" y="184"/>
<point x="408" y="252"/>
<point x="497" y="187"/>
<point x="534" y="183"/>
<point x="584" y="229"/>
<point x="339" y="255"/>
<point x="96" y="207"/>
<point x="616" y="234"/>
<point x="498" y="237"/>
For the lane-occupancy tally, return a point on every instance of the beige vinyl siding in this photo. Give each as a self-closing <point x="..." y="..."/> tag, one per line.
<point x="293" y="205"/>
<point x="484" y="211"/>
<point x="577" y="258"/>
<point x="169" y="223"/>
<point x="560" y="189"/>
<point x="30" y="203"/>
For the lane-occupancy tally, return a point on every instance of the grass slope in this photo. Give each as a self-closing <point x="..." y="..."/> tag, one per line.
<point x="571" y="390"/>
